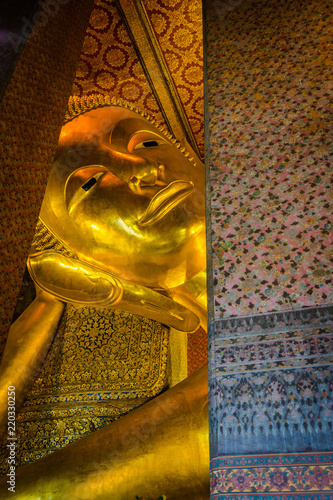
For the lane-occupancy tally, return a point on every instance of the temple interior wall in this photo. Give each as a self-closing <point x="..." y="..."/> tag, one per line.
<point x="43" y="57"/>
<point x="269" y="160"/>
<point x="269" y="152"/>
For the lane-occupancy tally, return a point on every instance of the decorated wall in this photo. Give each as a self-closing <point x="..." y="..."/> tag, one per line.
<point x="114" y="61"/>
<point x="45" y="48"/>
<point x="178" y="28"/>
<point x="108" y="63"/>
<point x="270" y="166"/>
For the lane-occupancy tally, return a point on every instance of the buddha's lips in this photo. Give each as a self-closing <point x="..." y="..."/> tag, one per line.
<point x="165" y="200"/>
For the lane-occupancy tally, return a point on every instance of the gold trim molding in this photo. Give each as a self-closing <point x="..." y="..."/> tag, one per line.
<point x="156" y="69"/>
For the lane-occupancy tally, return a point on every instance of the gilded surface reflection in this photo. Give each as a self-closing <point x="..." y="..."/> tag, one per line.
<point x="119" y="253"/>
<point x="124" y="198"/>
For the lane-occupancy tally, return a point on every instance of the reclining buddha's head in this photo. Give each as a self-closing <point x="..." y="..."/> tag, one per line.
<point x="124" y="197"/>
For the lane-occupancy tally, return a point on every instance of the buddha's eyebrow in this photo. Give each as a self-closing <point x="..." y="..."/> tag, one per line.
<point x="125" y="129"/>
<point x="119" y="137"/>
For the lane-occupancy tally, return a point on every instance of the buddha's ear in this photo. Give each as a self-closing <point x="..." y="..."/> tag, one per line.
<point x="78" y="282"/>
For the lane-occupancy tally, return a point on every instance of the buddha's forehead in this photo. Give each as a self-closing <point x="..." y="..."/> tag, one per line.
<point x="111" y="124"/>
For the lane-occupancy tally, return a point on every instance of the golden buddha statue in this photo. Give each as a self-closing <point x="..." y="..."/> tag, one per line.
<point x="120" y="240"/>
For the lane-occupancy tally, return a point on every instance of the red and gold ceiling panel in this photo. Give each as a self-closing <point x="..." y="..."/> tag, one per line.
<point x="117" y="60"/>
<point x="178" y="29"/>
<point x="108" y="64"/>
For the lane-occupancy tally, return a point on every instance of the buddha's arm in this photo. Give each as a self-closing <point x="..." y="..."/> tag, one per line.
<point x="159" y="448"/>
<point x="28" y="342"/>
<point x="78" y="282"/>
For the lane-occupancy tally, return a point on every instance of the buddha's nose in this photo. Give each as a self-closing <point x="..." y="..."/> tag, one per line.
<point x="148" y="175"/>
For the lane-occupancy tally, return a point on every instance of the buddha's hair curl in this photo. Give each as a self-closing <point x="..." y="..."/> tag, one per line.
<point x="44" y="239"/>
<point x="79" y="105"/>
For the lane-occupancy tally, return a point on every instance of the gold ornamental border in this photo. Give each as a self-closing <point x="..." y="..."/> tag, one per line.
<point x="149" y="52"/>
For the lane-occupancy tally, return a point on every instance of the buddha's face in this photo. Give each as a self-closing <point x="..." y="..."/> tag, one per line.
<point x="125" y="199"/>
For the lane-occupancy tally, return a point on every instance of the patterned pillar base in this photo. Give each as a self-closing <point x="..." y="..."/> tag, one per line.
<point x="298" y="476"/>
<point x="271" y="405"/>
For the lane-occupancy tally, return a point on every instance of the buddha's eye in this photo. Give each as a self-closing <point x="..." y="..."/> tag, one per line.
<point x="149" y="144"/>
<point x="89" y="184"/>
<point x="80" y="183"/>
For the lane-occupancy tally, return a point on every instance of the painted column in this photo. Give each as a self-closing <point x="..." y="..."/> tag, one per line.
<point x="269" y="73"/>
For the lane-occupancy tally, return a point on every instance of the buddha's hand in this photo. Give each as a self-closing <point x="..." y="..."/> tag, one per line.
<point x="78" y="282"/>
